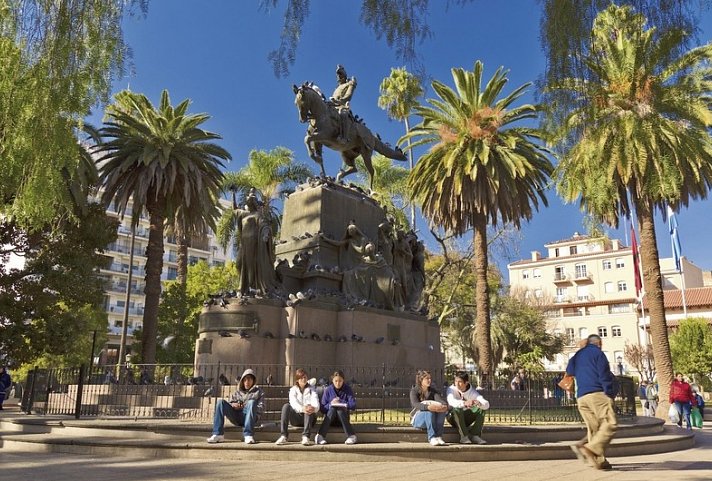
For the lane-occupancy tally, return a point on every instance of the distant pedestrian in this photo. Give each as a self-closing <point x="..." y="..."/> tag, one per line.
<point x="595" y="392"/>
<point x="5" y="384"/>
<point x="681" y="396"/>
<point x="651" y="394"/>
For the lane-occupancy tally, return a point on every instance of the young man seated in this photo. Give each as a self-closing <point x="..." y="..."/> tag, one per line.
<point x="468" y="408"/>
<point x="243" y="409"/>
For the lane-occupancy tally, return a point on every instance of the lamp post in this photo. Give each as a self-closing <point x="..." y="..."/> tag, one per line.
<point x="125" y="326"/>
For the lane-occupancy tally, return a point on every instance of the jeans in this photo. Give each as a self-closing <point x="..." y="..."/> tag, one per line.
<point x="246" y="417"/>
<point x="468" y="421"/>
<point x="290" y="416"/>
<point x="434" y="423"/>
<point x="336" y="414"/>
<point x="683" y="407"/>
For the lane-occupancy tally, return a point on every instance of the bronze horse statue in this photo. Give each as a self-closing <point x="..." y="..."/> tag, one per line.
<point x="324" y="130"/>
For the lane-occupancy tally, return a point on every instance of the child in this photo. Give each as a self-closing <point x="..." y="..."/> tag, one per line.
<point x="336" y="403"/>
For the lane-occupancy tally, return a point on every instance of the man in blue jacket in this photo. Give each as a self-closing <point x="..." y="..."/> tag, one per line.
<point x="595" y="390"/>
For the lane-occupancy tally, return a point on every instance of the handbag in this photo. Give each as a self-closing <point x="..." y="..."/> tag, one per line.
<point x="567" y="383"/>
<point x="696" y="417"/>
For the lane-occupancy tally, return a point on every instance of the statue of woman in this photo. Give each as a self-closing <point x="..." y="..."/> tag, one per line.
<point x="350" y="246"/>
<point x="256" y="256"/>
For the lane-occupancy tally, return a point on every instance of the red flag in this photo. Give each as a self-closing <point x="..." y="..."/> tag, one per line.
<point x="636" y="262"/>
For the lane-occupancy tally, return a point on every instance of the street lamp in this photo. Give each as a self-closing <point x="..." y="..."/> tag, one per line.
<point x="620" y="365"/>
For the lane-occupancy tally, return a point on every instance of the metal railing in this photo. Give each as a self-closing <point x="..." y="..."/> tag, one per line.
<point x="188" y="393"/>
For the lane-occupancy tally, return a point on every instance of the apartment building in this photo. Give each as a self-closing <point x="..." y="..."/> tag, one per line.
<point x="588" y="287"/>
<point x="116" y="273"/>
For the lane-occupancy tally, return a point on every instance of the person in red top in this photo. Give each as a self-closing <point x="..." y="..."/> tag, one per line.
<point x="681" y="395"/>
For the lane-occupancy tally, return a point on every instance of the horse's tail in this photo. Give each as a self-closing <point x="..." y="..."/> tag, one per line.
<point x="385" y="149"/>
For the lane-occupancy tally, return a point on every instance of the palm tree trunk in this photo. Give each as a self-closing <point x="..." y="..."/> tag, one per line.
<point x="182" y="260"/>
<point x="483" y="336"/>
<point x="154" y="267"/>
<point x="652" y="281"/>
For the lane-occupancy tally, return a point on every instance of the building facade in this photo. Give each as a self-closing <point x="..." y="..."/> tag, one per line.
<point x="587" y="286"/>
<point x="116" y="274"/>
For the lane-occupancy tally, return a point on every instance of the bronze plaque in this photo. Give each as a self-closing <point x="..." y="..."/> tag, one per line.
<point x="227" y="321"/>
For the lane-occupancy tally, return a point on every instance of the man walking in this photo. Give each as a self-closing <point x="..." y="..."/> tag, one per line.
<point x="595" y="385"/>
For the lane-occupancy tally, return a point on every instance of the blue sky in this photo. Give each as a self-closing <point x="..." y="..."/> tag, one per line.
<point x="215" y="53"/>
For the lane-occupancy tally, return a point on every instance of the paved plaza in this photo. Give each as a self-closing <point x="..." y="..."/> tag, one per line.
<point x="689" y="465"/>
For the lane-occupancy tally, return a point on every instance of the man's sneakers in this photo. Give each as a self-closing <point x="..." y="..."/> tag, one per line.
<point x="305" y="441"/>
<point x="282" y="440"/>
<point x="350" y="440"/>
<point x="319" y="439"/>
<point x="477" y="440"/>
<point x="249" y="440"/>
<point x="216" y="438"/>
<point x="589" y="457"/>
<point x="437" y="441"/>
<point x="465" y="440"/>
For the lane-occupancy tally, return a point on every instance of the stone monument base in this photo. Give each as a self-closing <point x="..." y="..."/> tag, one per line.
<point x="316" y="334"/>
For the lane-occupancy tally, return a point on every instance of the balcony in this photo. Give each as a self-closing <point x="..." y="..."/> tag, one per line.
<point x="561" y="277"/>
<point x="562" y="299"/>
<point x="582" y="277"/>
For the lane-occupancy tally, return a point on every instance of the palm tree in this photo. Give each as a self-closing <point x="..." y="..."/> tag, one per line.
<point x="389" y="187"/>
<point x="638" y="140"/>
<point x="480" y="170"/>
<point x="274" y="173"/>
<point x="400" y="92"/>
<point x="164" y="162"/>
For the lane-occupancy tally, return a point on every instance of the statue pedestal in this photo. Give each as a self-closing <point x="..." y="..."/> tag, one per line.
<point x="323" y="333"/>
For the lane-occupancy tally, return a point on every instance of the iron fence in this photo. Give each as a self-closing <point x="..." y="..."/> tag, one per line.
<point x="185" y="392"/>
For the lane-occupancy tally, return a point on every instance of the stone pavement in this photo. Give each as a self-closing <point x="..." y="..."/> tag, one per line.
<point x="688" y="465"/>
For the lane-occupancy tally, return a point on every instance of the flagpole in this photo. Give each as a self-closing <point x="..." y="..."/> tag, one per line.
<point x="684" y="301"/>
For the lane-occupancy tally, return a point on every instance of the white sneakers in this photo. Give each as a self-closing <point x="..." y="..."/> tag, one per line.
<point x="319" y="439"/>
<point x="305" y="441"/>
<point x="250" y="440"/>
<point x="216" y="438"/>
<point x="465" y="440"/>
<point x="350" y="440"/>
<point x="282" y="440"/>
<point x="478" y="440"/>
<point x="436" y="441"/>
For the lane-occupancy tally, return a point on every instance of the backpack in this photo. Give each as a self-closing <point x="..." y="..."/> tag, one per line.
<point x="651" y="393"/>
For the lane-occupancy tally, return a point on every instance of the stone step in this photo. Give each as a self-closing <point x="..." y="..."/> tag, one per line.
<point x="64" y="436"/>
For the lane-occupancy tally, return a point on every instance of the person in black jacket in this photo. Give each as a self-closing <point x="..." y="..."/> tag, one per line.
<point x="5" y="384"/>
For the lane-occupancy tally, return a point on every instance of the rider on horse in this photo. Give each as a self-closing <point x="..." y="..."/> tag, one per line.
<point x="341" y="99"/>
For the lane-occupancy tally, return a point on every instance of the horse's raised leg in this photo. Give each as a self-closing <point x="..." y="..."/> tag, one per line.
<point x="314" y="151"/>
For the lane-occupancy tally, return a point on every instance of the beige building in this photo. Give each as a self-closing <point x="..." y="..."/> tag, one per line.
<point x="116" y="275"/>
<point x="588" y="287"/>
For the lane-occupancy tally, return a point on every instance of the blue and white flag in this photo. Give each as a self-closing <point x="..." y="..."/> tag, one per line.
<point x="674" y="239"/>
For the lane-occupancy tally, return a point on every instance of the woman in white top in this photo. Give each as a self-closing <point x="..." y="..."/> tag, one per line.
<point x="301" y="410"/>
<point x="468" y="409"/>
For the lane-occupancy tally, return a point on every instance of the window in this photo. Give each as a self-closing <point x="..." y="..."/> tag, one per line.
<point x="537" y="273"/>
<point x="580" y="271"/>
<point x="525" y="274"/>
<point x="620" y="263"/>
<point x="618" y="308"/>
<point x="602" y="331"/>
<point x="556" y="252"/>
<point x="608" y="287"/>
<point x="570" y="335"/>
<point x="559" y="274"/>
<point x="622" y="286"/>
<point x="583" y="333"/>
<point x="172" y="273"/>
<point x="560" y="294"/>
<point x="582" y="293"/>
<point x="538" y="293"/>
<point x="573" y="250"/>
<point x="616" y="331"/>
<point x="606" y="265"/>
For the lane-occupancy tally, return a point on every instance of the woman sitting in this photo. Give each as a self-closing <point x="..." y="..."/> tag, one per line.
<point x="429" y="408"/>
<point x="336" y="403"/>
<point x="301" y="410"/>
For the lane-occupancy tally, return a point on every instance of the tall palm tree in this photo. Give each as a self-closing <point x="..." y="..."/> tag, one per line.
<point x="638" y="140"/>
<point x="389" y="187"/>
<point x="400" y="92"/>
<point x="480" y="170"/>
<point x="163" y="161"/>
<point x="273" y="173"/>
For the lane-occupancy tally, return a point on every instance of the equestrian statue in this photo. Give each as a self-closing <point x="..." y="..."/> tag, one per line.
<point x="332" y="124"/>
